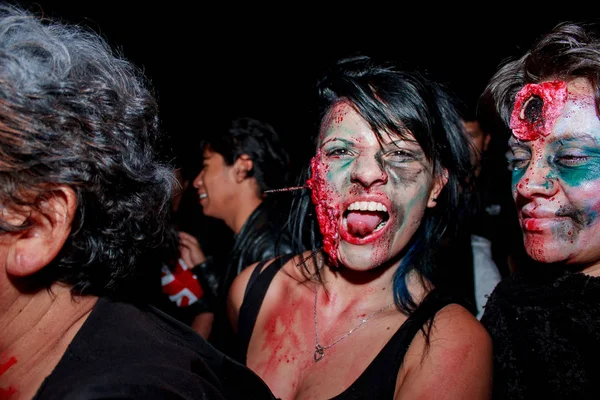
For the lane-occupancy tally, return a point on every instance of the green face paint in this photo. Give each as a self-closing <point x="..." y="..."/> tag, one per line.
<point x="577" y="166"/>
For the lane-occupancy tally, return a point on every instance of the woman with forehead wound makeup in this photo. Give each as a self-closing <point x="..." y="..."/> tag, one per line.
<point x="545" y="319"/>
<point x="363" y="313"/>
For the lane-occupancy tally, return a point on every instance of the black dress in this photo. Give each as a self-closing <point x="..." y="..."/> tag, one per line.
<point x="378" y="380"/>
<point x="545" y="328"/>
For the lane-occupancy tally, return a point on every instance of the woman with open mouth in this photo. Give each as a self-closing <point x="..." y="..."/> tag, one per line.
<point x="363" y="314"/>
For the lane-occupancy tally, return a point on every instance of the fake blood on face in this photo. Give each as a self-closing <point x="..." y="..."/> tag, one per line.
<point x="537" y="107"/>
<point x="327" y="215"/>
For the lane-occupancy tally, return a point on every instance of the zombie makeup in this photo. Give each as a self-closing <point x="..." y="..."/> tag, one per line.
<point x="556" y="175"/>
<point x="537" y="106"/>
<point x="370" y="192"/>
<point x="7" y="392"/>
<point x="327" y="215"/>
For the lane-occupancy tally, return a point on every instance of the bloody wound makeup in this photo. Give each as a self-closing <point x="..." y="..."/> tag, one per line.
<point x="327" y="216"/>
<point x="537" y="106"/>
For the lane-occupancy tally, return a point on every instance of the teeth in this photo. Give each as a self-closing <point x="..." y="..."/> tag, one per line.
<point x="203" y="196"/>
<point x="367" y="206"/>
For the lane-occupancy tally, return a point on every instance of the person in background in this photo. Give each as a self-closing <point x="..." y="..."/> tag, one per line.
<point x="187" y="284"/>
<point x="362" y="314"/>
<point x="241" y="161"/>
<point x="84" y="194"/>
<point x="545" y="319"/>
<point x="478" y="255"/>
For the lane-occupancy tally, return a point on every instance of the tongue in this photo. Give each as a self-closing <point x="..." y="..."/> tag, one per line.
<point x="363" y="223"/>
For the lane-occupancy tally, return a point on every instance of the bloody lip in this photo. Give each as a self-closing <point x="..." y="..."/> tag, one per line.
<point x="541" y="224"/>
<point x="347" y="237"/>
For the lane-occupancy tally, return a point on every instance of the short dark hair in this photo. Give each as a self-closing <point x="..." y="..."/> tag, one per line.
<point x="569" y="50"/>
<point x="74" y="112"/>
<point x="261" y="142"/>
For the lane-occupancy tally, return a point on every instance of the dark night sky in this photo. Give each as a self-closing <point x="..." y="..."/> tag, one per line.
<point x="212" y="61"/>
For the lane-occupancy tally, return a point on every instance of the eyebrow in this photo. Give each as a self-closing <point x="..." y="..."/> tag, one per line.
<point x="575" y="137"/>
<point x="334" y="139"/>
<point x="566" y="138"/>
<point x="402" y="141"/>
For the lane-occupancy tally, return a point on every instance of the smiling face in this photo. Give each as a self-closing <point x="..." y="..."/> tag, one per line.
<point x="216" y="185"/>
<point x="370" y="194"/>
<point x="556" y="179"/>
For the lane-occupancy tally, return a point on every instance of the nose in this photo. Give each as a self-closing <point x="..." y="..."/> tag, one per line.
<point x="368" y="171"/>
<point x="198" y="180"/>
<point x="538" y="180"/>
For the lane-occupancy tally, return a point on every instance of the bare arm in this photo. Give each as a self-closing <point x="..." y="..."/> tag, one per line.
<point x="202" y="324"/>
<point x="457" y="365"/>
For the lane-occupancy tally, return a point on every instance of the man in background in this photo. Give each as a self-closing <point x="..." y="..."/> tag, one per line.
<point x="242" y="160"/>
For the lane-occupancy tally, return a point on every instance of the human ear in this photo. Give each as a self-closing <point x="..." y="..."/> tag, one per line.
<point x="50" y="225"/>
<point x="440" y="181"/>
<point x="242" y="166"/>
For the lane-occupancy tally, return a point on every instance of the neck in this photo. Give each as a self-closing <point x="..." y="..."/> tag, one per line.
<point x="593" y="270"/>
<point x="243" y="210"/>
<point x="37" y="329"/>
<point x="343" y="289"/>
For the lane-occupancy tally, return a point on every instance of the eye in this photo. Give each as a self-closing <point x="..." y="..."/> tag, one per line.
<point x="518" y="159"/>
<point x="571" y="160"/>
<point x="400" y="156"/>
<point x="337" y="153"/>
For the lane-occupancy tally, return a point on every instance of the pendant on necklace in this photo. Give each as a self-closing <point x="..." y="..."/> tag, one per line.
<point x="319" y="352"/>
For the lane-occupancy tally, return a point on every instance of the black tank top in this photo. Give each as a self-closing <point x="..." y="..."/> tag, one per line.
<point x="378" y="380"/>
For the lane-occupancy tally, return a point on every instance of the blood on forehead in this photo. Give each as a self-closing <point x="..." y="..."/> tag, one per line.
<point x="537" y="107"/>
<point x="334" y="116"/>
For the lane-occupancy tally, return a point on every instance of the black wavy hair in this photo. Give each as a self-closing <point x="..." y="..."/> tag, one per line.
<point x="74" y="112"/>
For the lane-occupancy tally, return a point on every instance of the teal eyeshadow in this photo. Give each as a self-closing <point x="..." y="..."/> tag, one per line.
<point x="575" y="176"/>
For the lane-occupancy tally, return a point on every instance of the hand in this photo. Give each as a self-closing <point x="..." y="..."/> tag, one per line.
<point x="190" y="250"/>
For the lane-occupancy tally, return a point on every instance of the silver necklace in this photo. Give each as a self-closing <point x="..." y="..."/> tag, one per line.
<point x="320" y="349"/>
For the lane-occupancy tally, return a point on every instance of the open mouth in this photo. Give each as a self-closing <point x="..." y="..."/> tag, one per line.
<point x="364" y="218"/>
<point x="202" y="196"/>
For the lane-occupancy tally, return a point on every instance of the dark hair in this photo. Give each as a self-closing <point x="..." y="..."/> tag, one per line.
<point x="404" y="102"/>
<point x="73" y="112"/>
<point x="260" y="141"/>
<point x="569" y="50"/>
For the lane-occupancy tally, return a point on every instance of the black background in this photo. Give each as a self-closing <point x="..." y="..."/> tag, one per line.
<point x="212" y="61"/>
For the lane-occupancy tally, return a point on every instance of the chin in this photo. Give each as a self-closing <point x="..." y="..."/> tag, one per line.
<point x="361" y="257"/>
<point x="548" y="253"/>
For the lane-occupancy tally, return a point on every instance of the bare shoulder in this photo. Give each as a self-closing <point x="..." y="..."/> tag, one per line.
<point x="457" y="364"/>
<point x="458" y="324"/>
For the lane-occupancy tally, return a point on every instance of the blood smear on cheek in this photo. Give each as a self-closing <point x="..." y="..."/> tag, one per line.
<point x="328" y="216"/>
